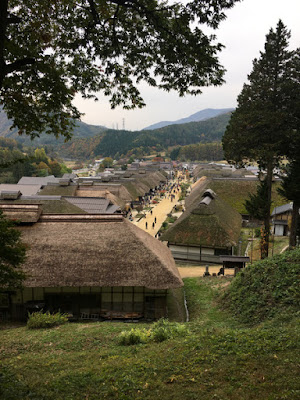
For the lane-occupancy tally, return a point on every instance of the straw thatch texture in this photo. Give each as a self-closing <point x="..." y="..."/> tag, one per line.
<point x="22" y="212"/>
<point x="196" y="193"/>
<point x="214" y="224"/>
<point x="120" y="194"/>
<point x="58" y="190"/>
<point x="49" y="206"/>
<point x="116" y="253"/>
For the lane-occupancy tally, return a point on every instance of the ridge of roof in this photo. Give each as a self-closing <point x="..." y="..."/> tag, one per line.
<point x="81" y="218"/>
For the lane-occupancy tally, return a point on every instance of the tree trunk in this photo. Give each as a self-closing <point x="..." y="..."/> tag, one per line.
<point x="266" y="233"/>
<point x="293" y="231"/>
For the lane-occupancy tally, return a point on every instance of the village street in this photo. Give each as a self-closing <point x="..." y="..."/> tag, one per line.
<point x="159" y="211"/>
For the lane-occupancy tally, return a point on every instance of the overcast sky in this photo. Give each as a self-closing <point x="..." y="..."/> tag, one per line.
<point x="243" y="33"/>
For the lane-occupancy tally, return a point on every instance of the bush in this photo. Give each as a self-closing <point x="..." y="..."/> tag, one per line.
<point x="160" y="331"/>
<point x="163" y="330"/>
<point x="257" y="232"/>
<point x="134" y="336"/>
<point x="40" y="320"/>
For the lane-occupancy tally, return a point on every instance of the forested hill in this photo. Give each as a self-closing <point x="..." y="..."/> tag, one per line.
<point x="82" y="130"/>
<point x="121" y="142"/>
<point x="90" y="141"/>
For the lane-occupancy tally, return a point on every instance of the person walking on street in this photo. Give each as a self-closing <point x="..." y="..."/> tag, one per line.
<point x="146" y="224"/>
<point x="153" y="225"/>
<point x="155" y="220"/>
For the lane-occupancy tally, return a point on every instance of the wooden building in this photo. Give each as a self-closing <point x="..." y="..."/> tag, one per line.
<point x="92" y="267"/>
<point x="207" y="229"/>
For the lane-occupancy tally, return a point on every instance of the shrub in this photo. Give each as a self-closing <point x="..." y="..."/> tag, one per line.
<point x="134" y="336"/>
<point x="164" y="330"/>
<point x="257" y="232"/>
<point x="160" y="331"/>
<point x="39" y="320"/>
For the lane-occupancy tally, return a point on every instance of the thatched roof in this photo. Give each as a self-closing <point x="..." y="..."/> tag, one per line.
<point x="208" y="222"/>
<point x="197" y="191"/>
<point x="22" y="212"/>
<point x="49" y="206"/>
<point x="118" y="193"/>
<point x="58" y="190"/>
<point x="95" y="251"/>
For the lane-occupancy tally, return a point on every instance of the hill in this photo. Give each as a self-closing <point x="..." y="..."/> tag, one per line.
<point x="82" y="130"/>
<point x="91" y="140"/>
<point x="122" y="142"/>
<point x="199" y="116"/>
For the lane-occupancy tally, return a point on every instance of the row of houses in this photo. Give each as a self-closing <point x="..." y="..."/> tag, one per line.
<point x="113" y="195"/>
<point x="84" y="257"/>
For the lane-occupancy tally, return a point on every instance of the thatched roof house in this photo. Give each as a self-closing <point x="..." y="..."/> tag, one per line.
<point x="95" y="265"/>
<point x="208" y="228"/>
<point x="95" y="250"/>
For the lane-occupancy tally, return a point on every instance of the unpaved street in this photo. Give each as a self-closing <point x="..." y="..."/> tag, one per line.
<point x="160" y="212"/>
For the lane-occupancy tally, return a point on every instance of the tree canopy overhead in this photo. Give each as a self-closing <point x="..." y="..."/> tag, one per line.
<point x="50" y="50"/>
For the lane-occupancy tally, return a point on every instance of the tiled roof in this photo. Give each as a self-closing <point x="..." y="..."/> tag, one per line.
<point x="282" y="209"/>
<point x="26" y="190"/>
<point x="93" y="205"/>
<point x="34" y="180"/>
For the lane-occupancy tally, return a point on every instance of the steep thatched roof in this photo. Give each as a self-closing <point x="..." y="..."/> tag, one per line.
<point x="208" y="222"/>
<point x="197" y="191"/>
<point x="95" y="251"/>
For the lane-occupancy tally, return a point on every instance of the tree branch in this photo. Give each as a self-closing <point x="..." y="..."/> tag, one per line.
<point x="19" y="64"/>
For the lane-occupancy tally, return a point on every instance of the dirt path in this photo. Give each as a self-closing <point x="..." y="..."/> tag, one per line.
<point x="160" y="212"/>
<point x="195" y="272"/>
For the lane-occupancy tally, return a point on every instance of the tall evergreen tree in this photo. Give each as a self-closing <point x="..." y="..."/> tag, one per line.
<point x="264" y="122"/>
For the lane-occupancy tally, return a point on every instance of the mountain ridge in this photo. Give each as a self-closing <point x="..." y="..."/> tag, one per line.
<point x="202" y="115"/>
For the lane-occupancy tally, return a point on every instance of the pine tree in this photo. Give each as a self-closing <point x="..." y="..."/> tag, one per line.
<point x="265" y="121"/>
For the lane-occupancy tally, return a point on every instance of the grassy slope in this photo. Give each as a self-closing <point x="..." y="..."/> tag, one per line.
<point x="268" y="288"/>
<point x="236" y="192"/>
<point x="221" y="359"/>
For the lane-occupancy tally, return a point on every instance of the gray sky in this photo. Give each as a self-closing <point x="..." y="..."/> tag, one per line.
<point x="243" y="33"/>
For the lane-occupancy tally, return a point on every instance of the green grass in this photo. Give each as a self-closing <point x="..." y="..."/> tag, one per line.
<point x="219" y="359"/>
<point x="266" y="289"/>
<point x="236" y="192"/>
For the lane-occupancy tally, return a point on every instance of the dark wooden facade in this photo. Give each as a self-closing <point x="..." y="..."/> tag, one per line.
<point x="94" y="303"/>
